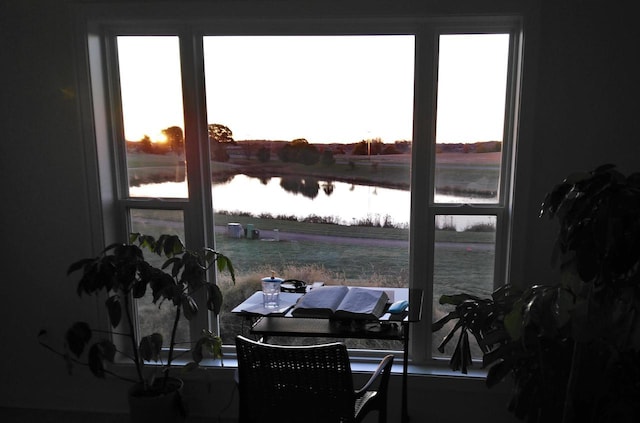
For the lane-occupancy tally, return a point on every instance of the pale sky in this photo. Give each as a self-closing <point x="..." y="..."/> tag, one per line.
<point x="324" y="89"/>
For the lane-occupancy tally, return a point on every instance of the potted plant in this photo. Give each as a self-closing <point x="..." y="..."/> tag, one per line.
<point x="122" y="274"/>
<point x="572" y="347"/>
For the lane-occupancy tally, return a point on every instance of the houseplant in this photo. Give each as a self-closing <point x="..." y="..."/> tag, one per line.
<point x="571" y="347"/>
<point x="121" y="274"/>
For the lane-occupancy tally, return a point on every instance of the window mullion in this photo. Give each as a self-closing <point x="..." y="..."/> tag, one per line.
<point x="198" y="214"/>
<point x="422" y="216"/>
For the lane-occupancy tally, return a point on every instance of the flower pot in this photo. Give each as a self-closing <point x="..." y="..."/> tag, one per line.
<point x="157" y="405"/>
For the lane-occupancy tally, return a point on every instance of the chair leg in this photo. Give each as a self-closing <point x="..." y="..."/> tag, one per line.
<point x="382" y="415"/>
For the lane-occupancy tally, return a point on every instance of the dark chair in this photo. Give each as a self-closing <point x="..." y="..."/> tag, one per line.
<point x="305" y="384"/>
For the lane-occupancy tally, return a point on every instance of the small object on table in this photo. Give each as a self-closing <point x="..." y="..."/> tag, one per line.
<point x="293" y="285"/>
<point x="271" y="291"/>
<point x="398" y="307"/>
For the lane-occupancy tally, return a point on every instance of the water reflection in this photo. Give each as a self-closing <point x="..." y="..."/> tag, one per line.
<point x="300" y="197"/>
<point x="308" y="187"/>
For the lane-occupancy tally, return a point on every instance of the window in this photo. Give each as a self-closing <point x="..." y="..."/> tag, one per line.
<point x="373" y="154"/>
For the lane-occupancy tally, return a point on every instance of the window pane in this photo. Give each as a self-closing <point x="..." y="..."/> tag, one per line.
<point x="158" y="317"/>
<point x="464" y="258"/>
<point x="151" y="90"/>
<point x="311" y="154"/>
<point x="472" y="80"/>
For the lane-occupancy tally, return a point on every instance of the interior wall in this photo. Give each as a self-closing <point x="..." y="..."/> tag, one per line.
<point x="580" y="111"/>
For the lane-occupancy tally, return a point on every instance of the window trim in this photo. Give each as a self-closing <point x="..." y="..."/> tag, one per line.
<point x="105" y="121"/>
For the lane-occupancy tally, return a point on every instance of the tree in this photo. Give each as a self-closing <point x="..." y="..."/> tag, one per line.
<point x="368" y="147"/>
<point x="219" y="137"/>
<point x="219" y="133"/>
<point x="299" y="151"/>
<point x="175" y="138"/>
<point x="145" y="145"/>
<point x="327" y="157"/>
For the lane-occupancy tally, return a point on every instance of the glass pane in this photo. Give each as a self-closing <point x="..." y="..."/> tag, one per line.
<point x="464" y="260"/>
<point x="158" y="317"/>
<point x="151" y="89"/>
<point x="472" y="81"/>
<point x="311" y="154"/>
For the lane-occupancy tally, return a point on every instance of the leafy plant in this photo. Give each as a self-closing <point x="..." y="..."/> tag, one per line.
<point x="122" y="274"/>
<point x="572" y="347"/>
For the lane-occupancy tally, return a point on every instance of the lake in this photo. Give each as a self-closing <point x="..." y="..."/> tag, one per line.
<point x="344" y="202"/>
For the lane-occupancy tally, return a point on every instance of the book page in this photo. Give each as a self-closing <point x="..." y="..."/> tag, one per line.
<point x="320" y="302"/>
<point x="363" y="301"/>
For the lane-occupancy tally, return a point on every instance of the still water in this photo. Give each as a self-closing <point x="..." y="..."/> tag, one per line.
<point x="343" y="202"/>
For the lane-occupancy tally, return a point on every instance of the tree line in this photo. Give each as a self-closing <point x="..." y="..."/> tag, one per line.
<point x="298" y="150"/>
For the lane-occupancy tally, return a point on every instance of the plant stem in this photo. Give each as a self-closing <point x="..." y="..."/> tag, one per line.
<point x="174" y="330"/>
<point x="136" y="357"/>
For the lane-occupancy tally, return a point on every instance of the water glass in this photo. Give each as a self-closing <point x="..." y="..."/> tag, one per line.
<point x="271" y="292"/>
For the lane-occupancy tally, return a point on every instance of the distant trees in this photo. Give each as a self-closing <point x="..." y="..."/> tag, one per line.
<point x="299" y="151"/>
<point x="263" y="154"/>
<point x="327" y="157"/>
<point x="368" y="147"/>
<point x="375" y="146"/>
<point x="219" y="137"/>
<point x="175" y="138"/>
<point x="220" y="134"/>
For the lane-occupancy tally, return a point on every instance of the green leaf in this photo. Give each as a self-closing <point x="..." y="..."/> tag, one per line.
<point x="513" y="323"/>
<point x="177" y="264"/>
<point x="172" y="245"/>
<point x="449" y="336"/>
<point x="189" y="306"/>
<point x="139" y="288"/>
<point x="107" y="350"/>
<point x="208" y="343"/>
<point x="436" y="326"/>
<point x="133" y="237"/>
<point x="77" y="337"/>
<point x="114" y="309"/>
<point x="151" y="347"/>
<point x="79" y="265"/>
<point x="214" y="298"/>
<point x="223" y="263"/>
<point x="96" y="364"/>
<point x="191" y="366"/>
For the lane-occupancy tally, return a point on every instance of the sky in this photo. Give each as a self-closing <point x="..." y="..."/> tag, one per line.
<point x="321" y="88"/>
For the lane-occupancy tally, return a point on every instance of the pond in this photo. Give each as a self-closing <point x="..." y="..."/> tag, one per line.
<point x="343" y="202"/>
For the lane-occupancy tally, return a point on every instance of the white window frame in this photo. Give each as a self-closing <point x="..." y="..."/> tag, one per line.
<point x="103" y="129"/>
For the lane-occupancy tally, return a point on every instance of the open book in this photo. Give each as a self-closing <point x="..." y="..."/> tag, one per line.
<point x="342" y="302"/>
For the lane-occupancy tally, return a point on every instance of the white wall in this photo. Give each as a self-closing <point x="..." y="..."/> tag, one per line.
<point x="579" y="110"/>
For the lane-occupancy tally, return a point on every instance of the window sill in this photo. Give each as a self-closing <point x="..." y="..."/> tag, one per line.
<point x="369" y="364"/>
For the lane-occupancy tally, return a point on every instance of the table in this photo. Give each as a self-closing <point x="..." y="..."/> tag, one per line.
<point x="388" y="327"/>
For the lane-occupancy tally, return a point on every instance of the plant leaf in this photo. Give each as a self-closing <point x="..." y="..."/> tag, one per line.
<point x="151" y="347"/>
<point x="96" y="364"/>
<point x="436" y="326"/>
<point x="79" y="265"/>
<point x="189" y="306"/>
<point x="77" y="337"/>
<point x="191" y="366"/>
<point x="114" y="309"/>
<point x="223" y="263"/>
<point x="214" y="298"/>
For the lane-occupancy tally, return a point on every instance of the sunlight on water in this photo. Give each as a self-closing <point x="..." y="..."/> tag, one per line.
<point x="344" y="201"/>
